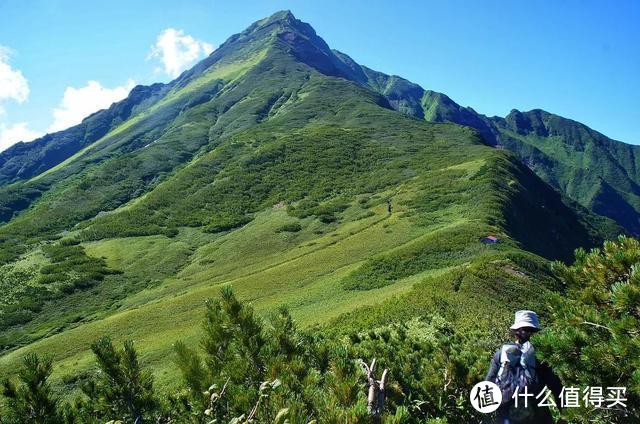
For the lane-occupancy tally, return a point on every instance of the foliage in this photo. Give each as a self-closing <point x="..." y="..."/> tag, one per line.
<point x="252" y="368"/>
<point x="26" y="292"/>
<point x="432" y="366"/>
<point x="262" y="122"/>
<point x="30" y="400"/>
<point x="593" y="337"/>
<point x="438" y="250"/>
<point x="225" y="222"/>
<point x="121" y="390"/>
<point x="597" y="172"/>
<point x="70" y="268"/>
<point x="290" y="227"/>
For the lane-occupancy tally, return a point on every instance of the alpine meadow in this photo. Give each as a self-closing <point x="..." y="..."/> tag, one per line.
<point x="233" y="245"/>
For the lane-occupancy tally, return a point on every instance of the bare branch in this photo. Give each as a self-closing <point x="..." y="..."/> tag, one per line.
<point x="383" y="380"/>
<point x="377" y="388"/>
<point x="597" y="325"/>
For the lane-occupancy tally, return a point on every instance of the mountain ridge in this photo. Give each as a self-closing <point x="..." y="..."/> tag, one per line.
<point x="565" y="153"/>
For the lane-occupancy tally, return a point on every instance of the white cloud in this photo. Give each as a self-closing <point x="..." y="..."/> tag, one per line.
<point x="13" y="85"/>
<point x="15" y="133"/>
<point x="78" y="103"/>
<point x="75" y="105"/>
<point x="178" y="51"/>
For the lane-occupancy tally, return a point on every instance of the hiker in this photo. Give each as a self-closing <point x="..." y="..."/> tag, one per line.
<point x="389" y="206"/>
<point x="516" y="366"/>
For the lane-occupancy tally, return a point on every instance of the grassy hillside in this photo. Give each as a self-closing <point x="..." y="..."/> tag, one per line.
<point x="270" y="166"/>
<point x="310" y="270"/>
<point x="599" y="173"/>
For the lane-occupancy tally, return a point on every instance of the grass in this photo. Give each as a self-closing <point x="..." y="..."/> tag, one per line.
<point x="600" y="174"/>
<point x="151" y="258"/>
<point x="308" y="281"/>
<point x="304" y="269"/>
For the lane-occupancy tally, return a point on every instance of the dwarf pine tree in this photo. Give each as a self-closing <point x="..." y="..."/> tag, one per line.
<point x="257" y="371"/>
<point x="593" y="339"/>
<point x="30" y="399"/>
<point x="122" y="390"/>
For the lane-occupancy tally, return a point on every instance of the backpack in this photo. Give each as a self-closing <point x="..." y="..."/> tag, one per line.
<point x="517" y="370"/>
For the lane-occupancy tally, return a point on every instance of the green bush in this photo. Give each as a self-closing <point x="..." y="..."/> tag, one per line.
<point x="292" y="227"/>
<point x="225" y="222"/>
<point x="30" y="399"/>
<point x="593" y="337"/>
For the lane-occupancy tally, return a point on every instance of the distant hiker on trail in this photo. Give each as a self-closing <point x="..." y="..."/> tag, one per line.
<point x="514" y="367"/>
<point x="389" y="206"/>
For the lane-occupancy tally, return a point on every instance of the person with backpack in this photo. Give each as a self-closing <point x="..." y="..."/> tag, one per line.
<point x="515" y="367"/>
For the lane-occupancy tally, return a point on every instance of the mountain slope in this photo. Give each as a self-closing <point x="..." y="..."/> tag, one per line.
<point x="599" y="173"/>
<point x="279" y="166"/>
<point x="25" y="160"/>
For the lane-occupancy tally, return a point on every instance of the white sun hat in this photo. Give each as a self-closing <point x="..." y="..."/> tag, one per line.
<point x="526" y="319"/>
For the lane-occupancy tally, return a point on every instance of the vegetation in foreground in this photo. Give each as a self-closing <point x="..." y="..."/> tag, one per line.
<point x="253" y="370"/>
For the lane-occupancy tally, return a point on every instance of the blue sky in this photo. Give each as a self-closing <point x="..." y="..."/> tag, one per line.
<point x="60" y="60"/>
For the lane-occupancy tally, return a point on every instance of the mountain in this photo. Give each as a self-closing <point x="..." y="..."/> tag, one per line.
<point x="599" y="173"/>
<point x="284" y="168"/>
